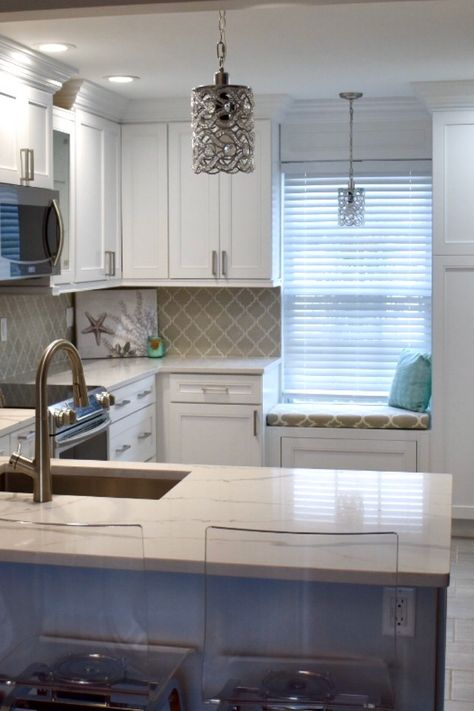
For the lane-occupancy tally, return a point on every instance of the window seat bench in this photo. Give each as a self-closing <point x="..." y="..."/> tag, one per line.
<point x="353" y="416"/>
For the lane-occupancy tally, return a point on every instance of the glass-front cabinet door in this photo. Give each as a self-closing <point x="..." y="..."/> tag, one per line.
<point x="64" y="178"/>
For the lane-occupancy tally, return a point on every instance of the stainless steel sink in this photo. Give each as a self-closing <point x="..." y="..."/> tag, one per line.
<point x="92" y="485"/>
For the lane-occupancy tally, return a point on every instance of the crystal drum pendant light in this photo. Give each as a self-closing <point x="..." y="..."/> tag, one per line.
<point x="222" y="121"/>
<point x="351" y="200"/>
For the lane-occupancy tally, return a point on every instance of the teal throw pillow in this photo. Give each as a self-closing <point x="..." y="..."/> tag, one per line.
<point x="411" y="386"/>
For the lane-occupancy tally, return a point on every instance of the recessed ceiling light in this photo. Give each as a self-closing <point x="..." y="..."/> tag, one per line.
<point x="121" y="78"/>
<point x="54" y="47"/>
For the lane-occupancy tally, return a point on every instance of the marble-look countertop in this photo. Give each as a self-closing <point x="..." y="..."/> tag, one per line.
<point x="415" y="506"/>
<point x="116" y="372"/>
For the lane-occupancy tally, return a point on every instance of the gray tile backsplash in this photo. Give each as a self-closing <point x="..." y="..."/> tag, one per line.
<point x="196" y="322"/>
<point x="219" y="322"/>
<point x="33" y="321"/>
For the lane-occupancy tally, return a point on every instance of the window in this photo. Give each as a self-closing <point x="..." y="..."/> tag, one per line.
<point x="354" y="297"/>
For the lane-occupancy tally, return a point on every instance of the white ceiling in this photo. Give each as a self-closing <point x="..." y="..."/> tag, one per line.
<point x="305" y="51"/>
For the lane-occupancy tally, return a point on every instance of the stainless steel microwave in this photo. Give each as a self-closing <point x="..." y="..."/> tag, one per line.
<point x="31" y="232"/>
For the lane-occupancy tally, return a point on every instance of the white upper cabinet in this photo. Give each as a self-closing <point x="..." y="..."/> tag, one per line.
<point x="25" y="123"/>
<point x="453" y="178"/>
<point x="145" y="201"/>
<point x="224" y="228"/>
<point x="98" y="225"/>
<point x="193" y="212"/>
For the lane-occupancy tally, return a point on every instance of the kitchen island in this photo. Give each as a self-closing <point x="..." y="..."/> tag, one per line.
<point x="414" y="506"/>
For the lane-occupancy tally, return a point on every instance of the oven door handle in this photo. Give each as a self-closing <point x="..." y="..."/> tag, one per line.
<point x="80" y="438"/>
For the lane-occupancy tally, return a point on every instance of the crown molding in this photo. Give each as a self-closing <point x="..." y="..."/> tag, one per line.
<point x="33" y="68"/>
<point x="97" y="100"/>
<point x="323" y="111"/>
<point x="269" y="106"/>
<point x="445" y="95"/>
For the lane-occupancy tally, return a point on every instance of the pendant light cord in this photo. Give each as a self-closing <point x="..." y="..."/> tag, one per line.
<point x="351" y="170"/>
<point x="221" y="46"/>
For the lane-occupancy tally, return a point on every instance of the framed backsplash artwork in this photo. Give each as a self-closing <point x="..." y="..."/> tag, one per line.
<point x="115" y="323"/>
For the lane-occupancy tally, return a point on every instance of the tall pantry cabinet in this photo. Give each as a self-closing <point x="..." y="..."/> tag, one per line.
<point x="452" y="436"/>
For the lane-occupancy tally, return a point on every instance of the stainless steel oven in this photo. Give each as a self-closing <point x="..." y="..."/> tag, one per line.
<point x="75" y="432"/>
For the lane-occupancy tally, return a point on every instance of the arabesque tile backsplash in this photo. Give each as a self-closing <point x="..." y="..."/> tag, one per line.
<point x="195" y="322"/>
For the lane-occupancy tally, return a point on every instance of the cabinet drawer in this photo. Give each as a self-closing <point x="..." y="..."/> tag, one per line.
<point x="133" y="397"/>
<point x="226" y="389"/>
<point x="26" y="437"/>
<point x="134" y="438"/>
<point x="4" y="446"/>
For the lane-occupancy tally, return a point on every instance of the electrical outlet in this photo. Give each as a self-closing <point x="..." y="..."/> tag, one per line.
<point x="69" y="317"/>
<point x="3" y="330"/>
<point x="399" y="611"/>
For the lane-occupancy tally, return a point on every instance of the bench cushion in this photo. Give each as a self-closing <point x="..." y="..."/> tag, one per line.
<point x="378" y="417"/>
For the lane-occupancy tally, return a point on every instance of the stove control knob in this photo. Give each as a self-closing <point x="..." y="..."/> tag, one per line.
<point x="70" y="416"/>
<point x="59" y="418"/>
<point x="105" y="399"/>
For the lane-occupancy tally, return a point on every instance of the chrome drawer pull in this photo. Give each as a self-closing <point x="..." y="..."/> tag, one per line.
<point x="214" y="389"/>
<point x="144" y="435"/>
<point x="122" y="403"/>
<point x="25" y="437"/>
<point x="143" y="394"/>
<point x="123" y="448"/>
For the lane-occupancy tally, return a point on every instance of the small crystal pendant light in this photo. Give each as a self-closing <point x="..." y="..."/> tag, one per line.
<point x="351" y="199"/>
<point x="222" y="121"/>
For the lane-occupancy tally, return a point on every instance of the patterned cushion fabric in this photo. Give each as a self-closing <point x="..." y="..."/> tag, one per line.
<point x="376" y="417"/>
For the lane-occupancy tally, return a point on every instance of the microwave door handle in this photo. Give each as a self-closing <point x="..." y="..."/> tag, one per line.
<point x="54" y="206"/>
<point x="80" y="438"/>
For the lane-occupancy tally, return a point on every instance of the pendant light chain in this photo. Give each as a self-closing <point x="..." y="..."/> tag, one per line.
<point x="221" y="45"/>
<point x="351" y="200"/>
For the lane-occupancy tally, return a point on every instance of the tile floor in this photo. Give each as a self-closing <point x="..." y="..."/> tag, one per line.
<point x="459" y="692"/>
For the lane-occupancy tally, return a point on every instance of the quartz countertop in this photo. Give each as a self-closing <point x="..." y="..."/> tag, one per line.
<point x="115" y="372"/>
<point x="416" y="506"/>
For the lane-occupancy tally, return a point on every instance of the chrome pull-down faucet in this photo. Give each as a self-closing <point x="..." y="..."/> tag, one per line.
<point x="39" y="468"/>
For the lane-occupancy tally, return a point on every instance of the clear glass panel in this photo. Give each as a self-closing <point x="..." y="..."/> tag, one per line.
<point x="296" y="618"/>
<point x="62" y="183"/>
<point x="74" y="615"/>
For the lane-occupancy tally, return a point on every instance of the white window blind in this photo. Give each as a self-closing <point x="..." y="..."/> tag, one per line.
<point x="354" y="297"/>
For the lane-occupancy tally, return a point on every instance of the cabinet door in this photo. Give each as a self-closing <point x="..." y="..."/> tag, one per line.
<point x="246" y="215"/>
<point x="90" y="178"/>
<point x="37" y="114"/>
<point x="452" y="441"/>
<point x="359" y="454"/>
<point x="193" y="212"/>
<point x="215" y="434"/>
<point x="112" y="201"/>
<point x="145" y="201"/>
<point x="64" y="175"/>
<point x="133" y="439"/>
<point x="10" y="117"/>
<point x="453" y="178"/>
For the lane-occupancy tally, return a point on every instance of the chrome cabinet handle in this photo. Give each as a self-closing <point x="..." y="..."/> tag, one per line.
<point x="214" y="389"/>
<point x="27" y="166"/>
<point x="255" y="423"/>
<point x="144" y="435"/>
<point x="26" y="437"/>
<point x="110" y="255"/>
<point x="214" y="263"/>
<point x="143" y="394"/>
<point x="123" y="448"/>
<point x="224" y="262"/>
<point x="122" y="403"/>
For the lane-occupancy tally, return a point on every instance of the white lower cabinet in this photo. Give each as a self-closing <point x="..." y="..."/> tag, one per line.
<point x="347" y="453"/>
<point x="133" y="438"/>
<point x="215" y="434"/>
<point x="132" y="434"/>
